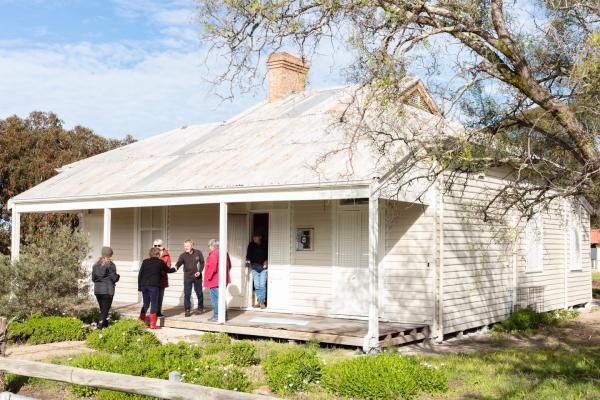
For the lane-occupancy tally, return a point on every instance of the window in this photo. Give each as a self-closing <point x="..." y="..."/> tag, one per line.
<point x="575" y="241"/>
<point x="534" y="242"/>
<point x="152" y="222"/>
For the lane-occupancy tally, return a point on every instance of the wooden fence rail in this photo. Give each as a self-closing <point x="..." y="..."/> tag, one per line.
<point x="162" y="389"/>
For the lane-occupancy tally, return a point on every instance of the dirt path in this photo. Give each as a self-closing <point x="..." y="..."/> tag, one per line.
<point x="44" y="351"/>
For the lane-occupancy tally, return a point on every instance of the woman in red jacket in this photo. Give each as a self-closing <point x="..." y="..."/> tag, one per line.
<point x="211" y="276"/>
<point x="164" y="278"/>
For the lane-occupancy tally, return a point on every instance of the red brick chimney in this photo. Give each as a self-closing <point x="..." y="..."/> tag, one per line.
<point x="287" y="74"/>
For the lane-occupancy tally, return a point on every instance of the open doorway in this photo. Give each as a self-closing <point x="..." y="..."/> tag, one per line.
<point x="259" y="225"/>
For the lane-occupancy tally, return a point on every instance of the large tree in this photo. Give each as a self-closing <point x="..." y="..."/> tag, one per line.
<point x="31" y="149"/>
<point x="524" y="74"/>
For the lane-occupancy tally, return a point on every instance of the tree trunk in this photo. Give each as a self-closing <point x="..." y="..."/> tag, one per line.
<point x="3" y="340"/>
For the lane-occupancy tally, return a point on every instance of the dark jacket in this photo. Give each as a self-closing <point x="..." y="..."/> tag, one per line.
<point x="257" y="254"/>
<point x="150" y="270"/>
<point x="192" y="263"/>
<point x="104" y="276"/>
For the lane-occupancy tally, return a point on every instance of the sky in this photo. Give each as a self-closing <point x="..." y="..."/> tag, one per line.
<point x="120" y="67"/>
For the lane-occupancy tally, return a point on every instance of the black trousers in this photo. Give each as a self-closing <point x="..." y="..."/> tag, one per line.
<point x="161" y="296"/>
<point x="104" y="302"/>
<point x="150" y="297"/>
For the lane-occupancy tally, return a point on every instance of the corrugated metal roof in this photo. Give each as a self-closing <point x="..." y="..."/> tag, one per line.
<point x="272" y="144"/>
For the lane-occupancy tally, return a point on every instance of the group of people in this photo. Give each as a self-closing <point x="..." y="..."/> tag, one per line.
<point x="153" y="278"/>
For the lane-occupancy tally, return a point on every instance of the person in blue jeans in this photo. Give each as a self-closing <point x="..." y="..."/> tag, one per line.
<point x="193" y="264"/>
<point x="211" y="276"/>
<point x="257" y="258"/>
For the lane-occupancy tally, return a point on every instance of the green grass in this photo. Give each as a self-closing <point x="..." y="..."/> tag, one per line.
<point x="556" y="373"/>
<point x="564" y="364"/>
<point x="596" y="276"/>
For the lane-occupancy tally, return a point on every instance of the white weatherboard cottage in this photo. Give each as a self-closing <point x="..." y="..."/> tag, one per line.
<point x="339" y="247"/>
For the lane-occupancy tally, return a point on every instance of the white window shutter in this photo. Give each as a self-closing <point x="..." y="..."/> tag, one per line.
<point x="534" y="243"/>
<point x="348" y="238"/>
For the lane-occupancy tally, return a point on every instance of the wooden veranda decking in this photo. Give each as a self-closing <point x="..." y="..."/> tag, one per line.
<point x="342" y="331"/>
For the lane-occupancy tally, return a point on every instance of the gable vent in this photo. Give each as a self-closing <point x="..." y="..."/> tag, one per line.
<point x="416" y="100"/>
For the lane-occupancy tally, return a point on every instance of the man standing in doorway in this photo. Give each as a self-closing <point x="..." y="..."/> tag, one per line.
<point x="193" y="264"/>
<point x="257" y="256"/>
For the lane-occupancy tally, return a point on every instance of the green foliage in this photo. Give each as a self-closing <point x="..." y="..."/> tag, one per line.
<point x="214" y="343"/>
<point x="596" y="293"/>
<point x="31" y="149"/>
<point x="242" y="354"/>
<point x="39" y="329"/>
<point x="48" y="277"/>
<point x="91" y="315"/>
<point x="382" y="377"/>
<point x="527" y="320"/>
<point x="293" y="370"/>
<point x="125" y="335"/>
<point x="157" y="361"/>
<point x="211" y="337"/>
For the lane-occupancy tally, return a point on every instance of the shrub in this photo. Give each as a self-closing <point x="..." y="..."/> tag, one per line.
<point x="386" y="376"/>
<point x="50" y="277"/>
<point x="527" y="320"/>
<point x="218" y="376"/>
<point x="125" y="335"/>
<point x="293" y="370"/>
<point x="38" y="330"/>
<point x="242" y="354"/>
<point x="157" y="361"/>
<point x="210" y="337"/>
<point x="91" y="315"/>
<point x="94" y="361"/>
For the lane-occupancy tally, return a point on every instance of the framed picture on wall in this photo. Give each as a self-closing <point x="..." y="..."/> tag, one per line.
<point x="305" y="239"/>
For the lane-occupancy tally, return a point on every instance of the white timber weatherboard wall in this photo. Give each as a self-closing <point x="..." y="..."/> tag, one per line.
<point x="477" y="275"/>
<point x="408" y="263"/>
<point x="579" y="281"/>
<point x="311" y="272"/>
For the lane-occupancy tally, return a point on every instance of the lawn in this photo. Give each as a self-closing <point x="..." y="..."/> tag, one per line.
<point x="561" y="362"/>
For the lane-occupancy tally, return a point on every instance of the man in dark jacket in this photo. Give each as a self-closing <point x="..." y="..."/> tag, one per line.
<point x="257" y="257"/>
<point x="149" y="284"/>
<point x="104" y="276"/>
<point x="193" y="264"/>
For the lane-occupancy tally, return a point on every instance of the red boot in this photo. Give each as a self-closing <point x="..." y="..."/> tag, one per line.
<point x="153" y="322"/>
<point x="143" y="318"/>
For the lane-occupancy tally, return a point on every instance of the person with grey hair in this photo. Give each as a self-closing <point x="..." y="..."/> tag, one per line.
<point x="211" y="276"/>
<point x="164" y="278"/>
<point x="193" y="264"/>
<point x="104" y="276"/>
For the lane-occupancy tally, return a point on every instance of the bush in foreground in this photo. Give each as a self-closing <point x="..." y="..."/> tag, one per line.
<point x="527" y="320"/>
<point x="292" y="371"/>
<point x="39" y="330"/>
<point x="124" y="335"/>
<point x="156" y="361"/>
<point x="242" y="354"/>
<point x="50" y="277"/>
<point x="383" y="377"/>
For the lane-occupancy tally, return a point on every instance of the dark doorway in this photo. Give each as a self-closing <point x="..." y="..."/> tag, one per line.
<point x="260" y="224"/>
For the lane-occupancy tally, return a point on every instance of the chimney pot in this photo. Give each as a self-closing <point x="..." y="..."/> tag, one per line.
<point x="286" y="74"/>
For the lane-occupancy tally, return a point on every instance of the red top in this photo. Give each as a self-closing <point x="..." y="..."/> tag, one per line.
<point x="164" y="278"/>
<point x="595" y="236"/>
<point x="211" y="270"/>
